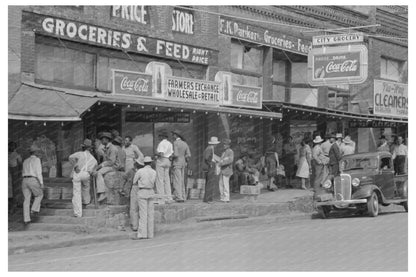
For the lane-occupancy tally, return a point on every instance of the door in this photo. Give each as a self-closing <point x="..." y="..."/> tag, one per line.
<point x="385" y="177"/>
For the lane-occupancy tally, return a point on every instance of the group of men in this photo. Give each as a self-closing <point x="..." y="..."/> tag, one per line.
<point x="398" y="150"/>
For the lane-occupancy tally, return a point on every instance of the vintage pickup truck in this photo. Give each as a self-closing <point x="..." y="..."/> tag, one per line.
<point x="366" y="181"/>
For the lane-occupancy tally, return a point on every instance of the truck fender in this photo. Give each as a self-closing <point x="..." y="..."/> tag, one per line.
<point x="366" y="191"/>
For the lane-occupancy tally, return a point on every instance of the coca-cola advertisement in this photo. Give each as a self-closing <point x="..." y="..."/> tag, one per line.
<point x="338" y="65"/>
<point x="132" y="83"/>
<point x="245" y="96"/>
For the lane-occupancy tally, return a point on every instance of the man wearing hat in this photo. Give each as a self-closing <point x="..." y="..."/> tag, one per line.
<point x="335" y="154"/>
<point x="319" y="161"/>
<point x="32" y="184"/>
<point x="209" y="166"/>
<point x="240" y="173"/>
<point x="111" y="163"/>
<point x="226" y="164"/>
<point x="384" y="146"/>
<point x="84" y="164"/>
<point x="347" y="146"/>
<point x="145" y="179"/>
<point x="163" y="152"/>
<point x="181" y="155"/>
<point x="326" y="146"/>
<point x="134" y="200"/>
<point x="117" y="142"/>
<point x="132" y="153"/>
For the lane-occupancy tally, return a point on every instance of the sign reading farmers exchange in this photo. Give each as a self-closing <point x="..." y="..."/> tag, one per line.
<point x="390" y="98"/>
<point x="106" y="37"/>
<point x="192" y="91"/>
<point x="260" y="35"/>
<point x="132" y="83"/>
<point x="247" y="97"/>
<point x="338" y="65"/>
<point x="337" y="39"/>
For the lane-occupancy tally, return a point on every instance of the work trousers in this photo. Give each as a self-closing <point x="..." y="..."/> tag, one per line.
<point x="101" y="188"/>
<point x="399" y="164"/>
<point x="31" y="186"/>
<point x="224" y="184"/>
<point x="146" y="213"/>
<point x="162" y="178"/>
<point x="319" y="175"/>
<point x="134" y="207"/>
<point x="178" y="180"/>
<point x="80" y="192"/>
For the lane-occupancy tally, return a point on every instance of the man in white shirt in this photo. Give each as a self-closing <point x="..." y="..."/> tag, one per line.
<point x="181" y="155"/>
<point x="400" y="156"/>
<point x="326" y="146"/>
<point x="32" y="184"/>
<point x="163" y="152"/>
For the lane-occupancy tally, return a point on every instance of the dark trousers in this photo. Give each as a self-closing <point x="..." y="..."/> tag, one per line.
<point x="334" y="169"/>
<point x="399" y="164"/>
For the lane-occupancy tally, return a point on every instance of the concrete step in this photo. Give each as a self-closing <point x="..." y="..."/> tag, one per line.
<point x="68" y="220"/>
<point x="56" y="227"/>
<point x="70" y="212"/>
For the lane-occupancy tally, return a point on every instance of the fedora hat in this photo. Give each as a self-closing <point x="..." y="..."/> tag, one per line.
<point x="318" y="139"/>
<point x="213" y="140"/>
<point x="34" y="148"/>
<point x="348" y="140"/>
<point x="147" y="159"/>
<point x="105" y="135"/>
<point x="226" y="141"/>
<point x="87" y="143"/>
<point x="118" y="139"/>
<point x="338" y="135"/>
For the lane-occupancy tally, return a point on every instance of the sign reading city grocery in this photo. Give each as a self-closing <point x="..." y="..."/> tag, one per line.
<point x="132" y="83"/>
<point x="192" y="91"/>
<point x="260" y="35"/>
<point x="139" y="14"/>
<point x="246" y="97"/>
<point x="338" y="65"/>
<point x="105" y="37"/>
<point x="337" y="39"/>
<point x="390" y="98"/>
<point x="183" y="21"/>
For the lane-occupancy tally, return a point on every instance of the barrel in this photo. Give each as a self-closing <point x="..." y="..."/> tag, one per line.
<point x="53" y="193"/>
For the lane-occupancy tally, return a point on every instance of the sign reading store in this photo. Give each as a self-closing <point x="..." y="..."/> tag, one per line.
<point x="183" y="21"/>
<point x="125" y="41"/>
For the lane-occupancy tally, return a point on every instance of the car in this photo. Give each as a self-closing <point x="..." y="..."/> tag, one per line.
<point x="366" y="181"/>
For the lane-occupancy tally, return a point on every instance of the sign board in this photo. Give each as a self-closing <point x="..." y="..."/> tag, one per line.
<point x="120" y="40"/>
<point x="170" y="117"/>
<point x="183" y="21"/>
<point x="372" y="124"/>
<point x="337" y="39"/>
<point x="192" y="91"/>
<point x="246" y="97"/>
<point x="264" y="36"/>
<point x="132" y="83"/>
<point x="139" y="14"/>
<point x="338" y="65"/>
<point x="390" y="98"/>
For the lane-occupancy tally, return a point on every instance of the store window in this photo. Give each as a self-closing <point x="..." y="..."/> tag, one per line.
<point x="246" y="64"/>
<point x="390" y="69"/>
<point x="62" y="65"/>
<point x="338" y="97"/>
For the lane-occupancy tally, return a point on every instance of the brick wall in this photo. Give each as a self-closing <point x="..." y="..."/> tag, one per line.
<point x="14" y="48"/>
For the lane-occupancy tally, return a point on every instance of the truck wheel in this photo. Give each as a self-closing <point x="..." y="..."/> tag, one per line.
<point x="405" y="206"/>
<point x="324" y="211"/>
<point x="372" y="205"/>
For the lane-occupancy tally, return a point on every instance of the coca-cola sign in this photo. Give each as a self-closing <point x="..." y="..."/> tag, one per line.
<point x="338" y="65"/>
<point x="132" y="83"/>
<point x="245" y="96"/>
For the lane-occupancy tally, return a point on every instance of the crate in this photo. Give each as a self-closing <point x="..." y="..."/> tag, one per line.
<point x="53" y="193"/>
<point x="200" y="183"/>
<point x="66" y="193"/>
<point x="194" y="193"/>
<point x="190" y="183"/>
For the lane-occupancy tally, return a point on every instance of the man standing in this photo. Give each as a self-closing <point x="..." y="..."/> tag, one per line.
<point x="319" y="161"/>
<point x="164" y="152"/>
<point x="399" y="156"/>
<point x="335" y="155"/>
<point x="85" y="164"/>
<point x="111" y="163"/>
<point x="240" y="173"/>
<point x="121" y="155"/>
<point x="32" y="184"/>
<point x="348" y="146"/>
<point x="289" y="152"/>
<point x="132" y="153"/>
<point x="145" y="179"/>
<point x="326" y="146"/>
<point x="134" y="200"/>
<point x="226" y="164"/>
<point x="210" y="169"/>
<point x="181" y="155"/>
<point x="384" y="146"/>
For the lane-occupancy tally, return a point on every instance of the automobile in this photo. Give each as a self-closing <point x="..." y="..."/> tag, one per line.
<point x="366" y="181"/>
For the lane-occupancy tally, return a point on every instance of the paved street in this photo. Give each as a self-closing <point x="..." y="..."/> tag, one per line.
<point x="336" y="244"/>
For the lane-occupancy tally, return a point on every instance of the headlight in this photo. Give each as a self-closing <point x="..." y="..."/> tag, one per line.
<point x="327" y="184"/>
<point x="355" y="182"/>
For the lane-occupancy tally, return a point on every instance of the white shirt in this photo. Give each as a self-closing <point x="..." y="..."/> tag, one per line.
<point x="326" y="146"/>
<point x="33" y="167"/>
<point x="81" y="158"/>
<point x="145" y="177"/>
<point x="400" y="150"/>
<point x="165" y="147"/>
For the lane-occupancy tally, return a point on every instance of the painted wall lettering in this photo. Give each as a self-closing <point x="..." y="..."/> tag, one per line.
<point x="183" y="21"/>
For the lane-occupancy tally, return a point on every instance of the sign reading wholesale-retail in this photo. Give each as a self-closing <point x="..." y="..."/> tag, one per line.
<point x="260" y="35"/>
<point x="338" y="65"/>
<point x="247" y="97"/>
<point x="132" y="83"/>
<point x="120" y="40"/>
<point x="390" y="98"/>
<point x="192" y="91"/>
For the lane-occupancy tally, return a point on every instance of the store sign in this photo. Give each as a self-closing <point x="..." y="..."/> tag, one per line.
<point x="183" y="21"/>
<point x="390" y="98"/>
<point x="192" y="91"/>
<point x="372" y="124"/>
<point x="169" y="117"/>
<point x="132" y="83"/>
<point x="260" y="35"/>
<point x="105" y="37"/>
<point x="246" y="97"/>
<point x="338" y="65"/>
<point x="139" y="14"/>
<point x="337" y="39"/>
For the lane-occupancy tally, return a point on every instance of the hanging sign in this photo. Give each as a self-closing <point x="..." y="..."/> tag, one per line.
<point x="338" y="65"/>
<point x="337" y="39"/>
<point x="132" y="83"/>
<point x="246" y="97"/>
<point x="390" y="98"/>
<point x="372" y="124"/>
<point x="171" y="117"/>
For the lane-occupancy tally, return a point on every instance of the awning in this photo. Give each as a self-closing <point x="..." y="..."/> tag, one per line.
<point x="32" y="102"/>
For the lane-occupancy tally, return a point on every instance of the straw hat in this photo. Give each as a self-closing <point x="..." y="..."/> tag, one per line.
<point x="87" y="143"/>
<point x="213" y="140"/>
<point x="147" y="159"/>
<point x="318" y="139"/>
<point x="139" y="161"/>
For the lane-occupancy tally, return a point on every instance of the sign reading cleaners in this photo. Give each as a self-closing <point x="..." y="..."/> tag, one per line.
<point x="260" y="35"/>
<point x="193" y="91"/>
<point x="183" y="21"/>
<point x="132" y="83"/>
<point x="338" y="65"/>
<point x="105" y="37"/>
<point x="390" y="98"/>
<point x="246" y="97"/>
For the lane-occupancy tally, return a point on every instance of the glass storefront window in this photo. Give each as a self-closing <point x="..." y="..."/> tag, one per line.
<point x="279" y="71"/>
<point x="245" y="80"/>
<point x="390" y="69"/>
<point x="304" y="96"/>
<point x="278" y="93"/>
<point x="246" y="58"/>
<point x="299" y="73"/>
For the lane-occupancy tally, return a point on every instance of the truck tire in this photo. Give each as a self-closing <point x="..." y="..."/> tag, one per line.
<point x="373" y="205"/>
<point x="324" y="211"/>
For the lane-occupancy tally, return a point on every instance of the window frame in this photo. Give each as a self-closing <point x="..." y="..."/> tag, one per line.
<point x="245" y="72"/>
<point x="388" y="59"/>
